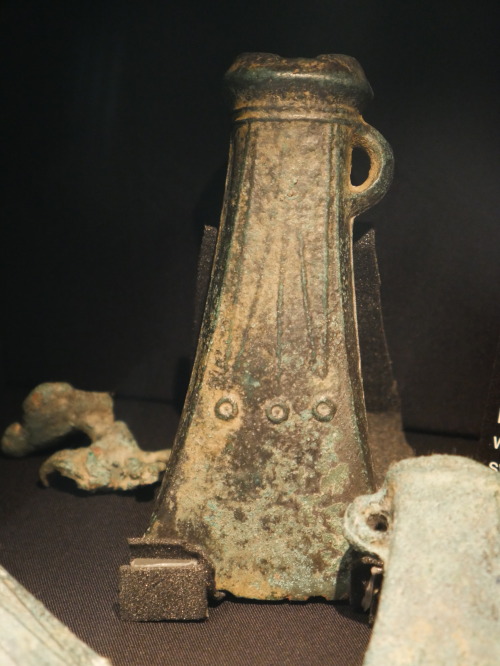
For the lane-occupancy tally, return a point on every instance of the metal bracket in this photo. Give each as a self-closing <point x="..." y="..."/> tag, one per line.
<point x="165" y="581"/>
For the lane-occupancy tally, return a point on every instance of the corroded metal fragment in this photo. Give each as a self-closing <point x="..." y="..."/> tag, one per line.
<point x="53" y="410"/>
<point x="435" y="524"/>
<point x="31" y="636"/>
<point x="273" y="439"/>
<point x="113" y="461"/>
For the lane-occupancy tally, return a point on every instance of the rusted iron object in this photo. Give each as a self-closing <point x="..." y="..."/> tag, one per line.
<point x="435" y="524"/>
<point x="273" y="439"/>
<point x="113" y="461"/>
<point x="31" y="636"/>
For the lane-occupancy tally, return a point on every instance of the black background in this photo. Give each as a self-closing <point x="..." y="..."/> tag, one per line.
<point x="115" y="141"/>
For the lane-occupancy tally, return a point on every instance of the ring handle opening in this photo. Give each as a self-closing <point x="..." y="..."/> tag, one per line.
<point x="362" y="197"/>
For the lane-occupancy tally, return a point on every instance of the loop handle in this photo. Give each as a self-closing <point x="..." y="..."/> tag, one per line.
<point x="362" y="527"/>
<point x="366" y="195"/>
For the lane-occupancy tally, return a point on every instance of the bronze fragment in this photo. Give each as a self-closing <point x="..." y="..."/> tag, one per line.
<point x="435" y="524"/>
<point x="113" y="461"/>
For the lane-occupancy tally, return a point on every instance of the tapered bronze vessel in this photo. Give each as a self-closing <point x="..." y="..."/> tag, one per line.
<point x="273" y="443"/>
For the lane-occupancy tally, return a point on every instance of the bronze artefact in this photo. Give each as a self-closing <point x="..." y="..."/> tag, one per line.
<point x="272" y="443"/>
<point x="113" y="461"/>
<point x="435" y="524"/>
<point x="31" y="636"/>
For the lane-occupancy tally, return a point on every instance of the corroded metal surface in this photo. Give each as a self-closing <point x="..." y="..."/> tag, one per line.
<point x="386" y="439"/>
<point x="53" y="410"/>
<point x="113" y="461"/>
<point x="436" y="526"/>
<point x="31" y="636"/>
<point x="273" y="443"/>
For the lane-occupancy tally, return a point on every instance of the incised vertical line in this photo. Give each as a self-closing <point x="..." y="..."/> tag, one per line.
<point x="305" y="299"/>
<point x="279" y="308"/>
<point x="253" y="305"/>
<point x="258" y="286"/>
<point x="334" y="227"/>
<point x="326" y="334"/>
<point x="247" y="174"/>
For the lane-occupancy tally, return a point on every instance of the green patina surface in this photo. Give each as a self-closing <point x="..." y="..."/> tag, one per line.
<point x="31" y="636"/>
<point x="113" y="461"/>
<point x="273" y="443"/>
<point x="435" y="524"/>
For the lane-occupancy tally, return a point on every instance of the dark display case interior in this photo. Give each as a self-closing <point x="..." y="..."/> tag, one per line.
<point x="116" y="133"/>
